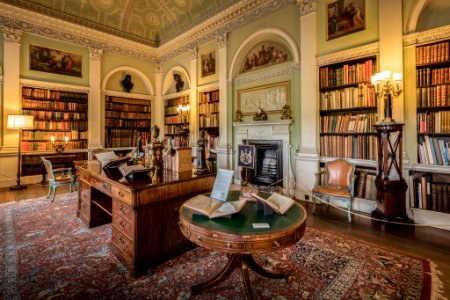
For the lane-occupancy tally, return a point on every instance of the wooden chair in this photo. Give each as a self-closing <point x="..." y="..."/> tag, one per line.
<point x="339" y="182"/>
<point x="58" y="177"/>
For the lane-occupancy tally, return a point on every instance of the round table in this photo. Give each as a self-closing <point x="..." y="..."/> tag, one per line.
<point x="237" y="237"/>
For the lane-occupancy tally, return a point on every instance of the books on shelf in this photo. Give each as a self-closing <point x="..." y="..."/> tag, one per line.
<point x="278" y="202"/>
<point x="433" y="150"/>
<point x="212" y="208"/>
<point x="430" y="192"/>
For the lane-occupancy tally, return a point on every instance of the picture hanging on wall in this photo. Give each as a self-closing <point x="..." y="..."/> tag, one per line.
<point x="246" y="156"/>
<point x="55" y="61"/>
<point x="269" y="98"/>
<point x="344" y="17"/>
<point x="265" y="54"/>
<point x="208" y="64"/>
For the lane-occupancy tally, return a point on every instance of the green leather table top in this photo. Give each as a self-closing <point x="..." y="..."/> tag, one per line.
<point x="241" y="222"/>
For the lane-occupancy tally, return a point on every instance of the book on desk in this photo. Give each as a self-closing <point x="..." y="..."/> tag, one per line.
<point x="278" y="202"/>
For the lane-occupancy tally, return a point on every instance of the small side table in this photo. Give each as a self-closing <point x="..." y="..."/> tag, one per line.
<point x="237" y="237"/>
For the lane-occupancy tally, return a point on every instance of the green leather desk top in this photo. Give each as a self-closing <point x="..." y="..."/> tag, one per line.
<point x="241" y="222"/>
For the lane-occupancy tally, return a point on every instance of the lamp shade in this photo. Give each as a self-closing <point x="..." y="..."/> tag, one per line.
<point x="20" y="122"/>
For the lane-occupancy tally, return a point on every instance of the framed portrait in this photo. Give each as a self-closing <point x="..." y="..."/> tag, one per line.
<point x="270" y="98"/>
<point x="55" y="61"/>
<point x="208" y="64"/>
<point x="344" y="17"/>
<point x="265" y="54"/>
<point x="246" y="156"/>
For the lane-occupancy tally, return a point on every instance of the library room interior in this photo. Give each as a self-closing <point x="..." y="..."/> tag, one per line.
<point x="270" y="149"/>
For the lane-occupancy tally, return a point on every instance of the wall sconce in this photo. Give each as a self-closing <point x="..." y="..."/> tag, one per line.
<point x="386" y="87"/>
<point x="60" y="146"/>
<point x="183" y="111"/>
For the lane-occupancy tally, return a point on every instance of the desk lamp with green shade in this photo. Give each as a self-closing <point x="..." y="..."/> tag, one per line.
<point x="19" y="122"/>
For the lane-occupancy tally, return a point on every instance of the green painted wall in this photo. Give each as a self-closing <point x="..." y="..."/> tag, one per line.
<point x="408" y="6"/>
<point x="113" y="61"/>
<point x="369" y="35"/>
<point x="435" y="14"/>
<point x="26" y="73"/>
<point x="203" y="55"/>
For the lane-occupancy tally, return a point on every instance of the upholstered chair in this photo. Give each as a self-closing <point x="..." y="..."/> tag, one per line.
<point x="58" y="177"/>
<point x="338" y="184"/>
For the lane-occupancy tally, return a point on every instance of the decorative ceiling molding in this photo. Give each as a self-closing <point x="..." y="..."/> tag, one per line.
<point x="267" y="73"/>
<point x="306" y="7"/>
<point x="353" y="53"/>
<point x="95" y="53"/>
<point x="11" y="35"/>
<point x="428" y="36"/>
<point x="222" y="39"/>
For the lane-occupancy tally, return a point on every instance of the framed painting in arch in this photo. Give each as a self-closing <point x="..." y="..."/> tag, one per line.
<point x="55" y="61"/>
<point x="344" y="17"/>
<point x="208" y="62"/>
<point x="265" y="54"/>
<point x="246" y="156"/>
<point x="270" y="98"/>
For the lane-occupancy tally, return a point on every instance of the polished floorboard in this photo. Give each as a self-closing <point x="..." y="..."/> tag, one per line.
<point x="424" y="242"/>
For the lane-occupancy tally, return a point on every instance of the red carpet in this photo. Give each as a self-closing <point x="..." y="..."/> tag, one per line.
<point x="47" y="252"/>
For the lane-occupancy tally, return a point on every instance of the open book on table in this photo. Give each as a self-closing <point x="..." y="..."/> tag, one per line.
<point x="133" y="170"/>
<point x="278" y="202"/>
<point x="215" y="205"/>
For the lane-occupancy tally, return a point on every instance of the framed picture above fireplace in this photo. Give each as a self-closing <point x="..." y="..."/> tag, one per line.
<point x="270" y="98"/>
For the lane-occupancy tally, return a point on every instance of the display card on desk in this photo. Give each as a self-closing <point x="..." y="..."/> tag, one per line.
<point x="222" y="184"/>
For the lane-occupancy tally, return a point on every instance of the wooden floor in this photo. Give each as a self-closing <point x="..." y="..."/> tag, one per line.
<point x="423" y="242"/>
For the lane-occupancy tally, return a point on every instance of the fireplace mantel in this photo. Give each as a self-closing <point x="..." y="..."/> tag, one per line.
<point x="267" y="130"/>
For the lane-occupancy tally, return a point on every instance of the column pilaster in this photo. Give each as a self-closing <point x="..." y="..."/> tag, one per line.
<point x="95" y="99"/>
<point x="158" y="105"/>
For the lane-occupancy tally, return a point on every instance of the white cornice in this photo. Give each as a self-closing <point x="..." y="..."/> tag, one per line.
<point x="236" y="15"/>
<point x="127" y="95"/>
<point x="428" y="36"/>
<point x="177" y="95"/>
<point x="54" y="85"/>
<point x="348" y="54"/>
<point x="267" y="73"/>
<point x="208" y="87"/>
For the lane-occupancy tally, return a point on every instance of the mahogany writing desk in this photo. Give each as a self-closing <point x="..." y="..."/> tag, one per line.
<point x="144" y="216"/>
<point x="237" y="237"/>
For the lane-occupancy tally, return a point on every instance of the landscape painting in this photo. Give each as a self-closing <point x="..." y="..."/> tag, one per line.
<point x="55" y="61"/>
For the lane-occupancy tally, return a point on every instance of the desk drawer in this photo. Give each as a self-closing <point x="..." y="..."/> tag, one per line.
<point x="122" y="242"/>
<point x="123" y="225"/>
<point x="122" y="195"/>
<point x="273" y="244"/>
<point x="208" y="240"/>
<point x="123" y="210"/>
<point x="100" y="185"/>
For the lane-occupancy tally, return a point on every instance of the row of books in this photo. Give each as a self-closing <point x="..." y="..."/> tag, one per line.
<point x="59" y="136"/>
<point x="40" y="104"/>
<point x="428" y="76"/>
<point x="126" y="115"/>
<point x="127" y="107"/>
<point x="433" y="151"/>
<point x="62" y="125"/>
<point x="115" y="138"/>
<point x="433" y="122"/>
<point x="348" y="123"/>
<point x="171" y="110"/>
<point x="54" y="95"/>
<point x="127" y="123"/>
<point x="55" y="115"/>
<point x="428" y="194"/>
<point x="209" y="121"/>
<point x="177" y="101"/>
<point x="134" y="102"/>
<point x="172" y="141"/>
<point x="206" y="108"/>
<point x="172" y="129"/>
<point x="434" y="96"/>
<point x="176" y="119"/>
<point x="435" y="53"/>
<point x="45" y="146"/>
<point x="209" y="96"/>
<point x="365" y="184"/>
<point x="350" y="97"/>
<point x="347" y="74"/>
<point x="357" y="147"/>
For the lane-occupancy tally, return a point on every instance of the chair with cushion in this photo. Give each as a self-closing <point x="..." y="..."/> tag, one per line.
<point x="57" y="177"/>
<point x="339" y="177"/>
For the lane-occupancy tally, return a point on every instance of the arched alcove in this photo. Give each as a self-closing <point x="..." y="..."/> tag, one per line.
<point x="169" y="82"/>
<point x="126" y="69"/>
<point x="428" y="14"/>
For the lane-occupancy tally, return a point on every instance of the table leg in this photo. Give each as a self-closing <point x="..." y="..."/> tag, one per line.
<point x="263" y="272"/>
<point x="244" y="272"/>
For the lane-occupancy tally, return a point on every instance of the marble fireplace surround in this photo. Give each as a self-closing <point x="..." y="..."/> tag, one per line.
<point x="267" y="130"/>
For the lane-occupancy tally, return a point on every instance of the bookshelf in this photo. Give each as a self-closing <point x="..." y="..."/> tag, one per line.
<point x="208" y="116"/>
<point x="56" y="113"/>
<point x="430" y="180"/>
<point x="348" y="110"/>
<point x="174" y="121"/>
<point x="125" y="120"/>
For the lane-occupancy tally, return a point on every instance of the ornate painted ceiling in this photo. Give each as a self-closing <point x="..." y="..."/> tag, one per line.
<point x="151" y="22"/>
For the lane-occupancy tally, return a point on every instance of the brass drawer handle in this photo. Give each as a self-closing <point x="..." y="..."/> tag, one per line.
<point x="122" y="209"/>
<point x="276" y="244"/>
<point x="229" y="245"/>
<point x="179" y="223"/>
<point x="121" y="194"/>
<point x="122" y="224"/>
<point x="122" y="240"/>
<point x="105" y="186"/>
<point x="84" y="206"/>
<point x="199" y="237"/>
<point x="177" y="209"/>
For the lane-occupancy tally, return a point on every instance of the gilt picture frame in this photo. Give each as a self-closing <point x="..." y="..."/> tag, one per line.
<point x="55" y="61"/>
<point x="208" y="62"/>
<point x="344" y="17"/>
<point x="270" y="98"/>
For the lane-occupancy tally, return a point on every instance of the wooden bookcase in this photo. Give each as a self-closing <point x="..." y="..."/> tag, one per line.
<point x="430" y="183"/>
<point x="56" y="113"/>
<point x="125" y="120"/>
<point x="173" y="121"/>
<point x="208" y="116"/>
<point x="348" y="110"/>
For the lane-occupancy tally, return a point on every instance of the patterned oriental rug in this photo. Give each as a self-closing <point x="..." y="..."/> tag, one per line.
<point x="47" y="252"/>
